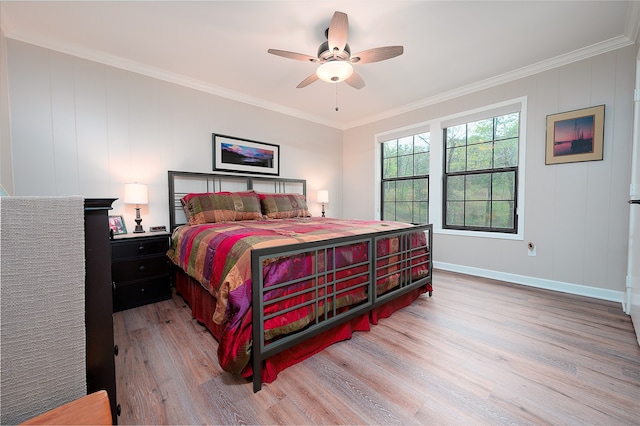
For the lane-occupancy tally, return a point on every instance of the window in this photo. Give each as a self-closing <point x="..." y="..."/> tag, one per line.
<point x="480" y="175"/>
<point x="405" y="179"/>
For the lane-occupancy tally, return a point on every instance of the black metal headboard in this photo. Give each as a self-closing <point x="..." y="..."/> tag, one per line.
<point x="183" y="183"/>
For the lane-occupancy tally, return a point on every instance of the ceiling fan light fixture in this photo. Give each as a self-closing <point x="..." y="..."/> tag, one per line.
<point x="334" y="71"/>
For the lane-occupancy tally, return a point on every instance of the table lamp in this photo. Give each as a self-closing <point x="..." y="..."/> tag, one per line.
<point x="323" y="197"/>
<point x="136" y="193"/>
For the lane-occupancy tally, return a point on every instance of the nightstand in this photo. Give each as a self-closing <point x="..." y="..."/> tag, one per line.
<point x="139" y="269"/>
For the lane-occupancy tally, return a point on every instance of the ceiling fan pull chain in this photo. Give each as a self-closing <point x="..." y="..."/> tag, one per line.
<point x="336" y="96"/>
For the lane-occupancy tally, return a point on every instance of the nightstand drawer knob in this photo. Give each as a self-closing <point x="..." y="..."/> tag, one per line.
<point x="140" y="248"/>
<point x="141" y="268"/>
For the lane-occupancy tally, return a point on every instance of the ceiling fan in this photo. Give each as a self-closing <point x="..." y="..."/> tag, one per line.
<point x="335" y="58"/>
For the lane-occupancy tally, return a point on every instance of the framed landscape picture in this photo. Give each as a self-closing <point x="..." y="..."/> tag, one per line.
<point x="232" y="154"/>
<point x="575" y="136"/>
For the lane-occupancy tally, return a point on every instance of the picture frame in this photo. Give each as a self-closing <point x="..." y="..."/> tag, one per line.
<point x="231" y="154"/>
<point x="575" y="136"/>
<point x="116" y="224"/>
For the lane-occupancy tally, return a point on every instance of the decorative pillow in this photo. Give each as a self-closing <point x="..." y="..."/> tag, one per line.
<point x="221" y="207"/>
<point x="283" y="206"/>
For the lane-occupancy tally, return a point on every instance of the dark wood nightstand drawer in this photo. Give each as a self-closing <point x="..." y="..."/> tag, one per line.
<point x="139" y="268"/>
<point x="123" y="249"/>
<point x="137" y="293"/>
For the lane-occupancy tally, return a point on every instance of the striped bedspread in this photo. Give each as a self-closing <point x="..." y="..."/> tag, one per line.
<point x="218" y="255"/>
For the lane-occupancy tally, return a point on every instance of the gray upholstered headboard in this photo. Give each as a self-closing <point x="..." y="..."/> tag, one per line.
<point x="182" y="183"/>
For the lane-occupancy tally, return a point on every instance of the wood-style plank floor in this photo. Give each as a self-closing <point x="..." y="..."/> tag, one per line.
<point x="477" y="352"/>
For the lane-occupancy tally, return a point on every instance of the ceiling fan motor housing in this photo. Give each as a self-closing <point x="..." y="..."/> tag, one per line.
<point x="325" y="54"/>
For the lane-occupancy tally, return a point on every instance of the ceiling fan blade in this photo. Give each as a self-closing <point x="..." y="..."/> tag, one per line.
<point x="377" y="54"/>
<point x="338" y="32"/>
<point x="355" y="81"/>
<point x="293" y="55"/>
<point x="307" y="81"/>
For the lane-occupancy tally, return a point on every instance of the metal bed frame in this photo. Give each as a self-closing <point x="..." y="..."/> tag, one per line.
<point x="326" y="284"/>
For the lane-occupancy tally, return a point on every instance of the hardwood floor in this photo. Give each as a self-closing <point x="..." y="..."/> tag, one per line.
<point x="477" y="352"/>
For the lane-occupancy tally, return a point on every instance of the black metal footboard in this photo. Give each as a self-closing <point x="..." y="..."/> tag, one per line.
<point x="336" y="286"/>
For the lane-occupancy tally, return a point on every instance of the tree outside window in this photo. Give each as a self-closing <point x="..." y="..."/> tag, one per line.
<point x="480" y="176"/>
<point x="405" y="179"/>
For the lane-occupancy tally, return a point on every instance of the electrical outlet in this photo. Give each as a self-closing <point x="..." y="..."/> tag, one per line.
<point x="531" y="249"/>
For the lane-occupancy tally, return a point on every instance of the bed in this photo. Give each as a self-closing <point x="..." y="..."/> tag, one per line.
<point x="275" y="285"/>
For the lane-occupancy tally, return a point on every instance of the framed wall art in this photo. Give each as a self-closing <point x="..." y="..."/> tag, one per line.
<point x="575" y="136"/>
<point x="116" y="224"/>
<point x="231" y="154"/>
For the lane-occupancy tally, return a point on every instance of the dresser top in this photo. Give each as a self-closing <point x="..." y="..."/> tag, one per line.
<point x="140" y="235"/>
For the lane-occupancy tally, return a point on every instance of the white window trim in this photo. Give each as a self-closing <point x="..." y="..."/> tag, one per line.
<point x="436" y="172"/>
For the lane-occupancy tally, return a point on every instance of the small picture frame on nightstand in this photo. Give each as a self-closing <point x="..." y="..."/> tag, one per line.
<point x="117" y="226"/>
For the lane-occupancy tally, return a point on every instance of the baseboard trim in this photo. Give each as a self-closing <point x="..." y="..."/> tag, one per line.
<point x="577" y="289"/>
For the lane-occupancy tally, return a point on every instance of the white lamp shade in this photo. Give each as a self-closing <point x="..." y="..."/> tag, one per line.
<point x="135" y="193"/>
<point x="334" y="71"/>
<point x="323" y="196"/>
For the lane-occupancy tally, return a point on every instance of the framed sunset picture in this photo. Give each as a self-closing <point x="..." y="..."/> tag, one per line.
<point x="233" y="154"/>
<point x="575" y="136"/>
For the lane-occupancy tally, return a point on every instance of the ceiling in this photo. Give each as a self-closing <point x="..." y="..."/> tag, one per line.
<point x="450" y="47"/>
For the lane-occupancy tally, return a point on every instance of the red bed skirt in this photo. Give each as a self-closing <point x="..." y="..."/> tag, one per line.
<point x="202" y="305"/>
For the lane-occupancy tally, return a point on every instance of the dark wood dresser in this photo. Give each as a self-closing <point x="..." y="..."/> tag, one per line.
<point x="140" y="269"/>
<point x="101" y="365"/>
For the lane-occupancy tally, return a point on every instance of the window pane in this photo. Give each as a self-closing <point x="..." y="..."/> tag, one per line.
<point x="507" y="126"/>
<point x="390" y="168"/>
<point x="479" y="156"/>
<point x="455" y="188"/>
<point x="404" y="190"/>
<point x="389" y="191"/>
<point x="405" y="166"/>
<point x="421" y="190"/>
<point x="421" y="212"/>
<point x="404" y="212"/>
<point x="504" y="186"/>
<point x="480" y="131"/>
<point x="390" y="149"/>
<point x="456" y="159"/>
<point x="389" y="211"/>
<point x="506" y="153"/>
<point x="478" y="187"/>
<point x="455" y="213"/>
<point x="477" y="214"/>
<point x="421" y="143"/>
<point x="456" y="136"/>
<point x="405" y="146"/>
<point x="421" y="163"/>
<point x="503" y="214"/>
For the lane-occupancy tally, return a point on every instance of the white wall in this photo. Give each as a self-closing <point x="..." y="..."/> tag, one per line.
<point x="6" y="170"/>
<point x="576" y="214"/>
<point x="82" y="128"/>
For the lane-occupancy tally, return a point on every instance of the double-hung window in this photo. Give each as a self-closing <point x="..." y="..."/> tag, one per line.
<point x="405" y="179"/>
<point x="481" y="174"/>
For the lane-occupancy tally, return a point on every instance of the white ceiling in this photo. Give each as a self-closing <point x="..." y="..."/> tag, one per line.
<point x="450" y="47"/>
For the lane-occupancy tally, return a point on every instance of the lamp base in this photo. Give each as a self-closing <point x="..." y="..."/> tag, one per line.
<point x="138" y="220"/>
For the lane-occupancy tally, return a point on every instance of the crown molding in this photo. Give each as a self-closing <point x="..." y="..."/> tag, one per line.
<point x="160" y="74"/>
<point x="558" y="61"/>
